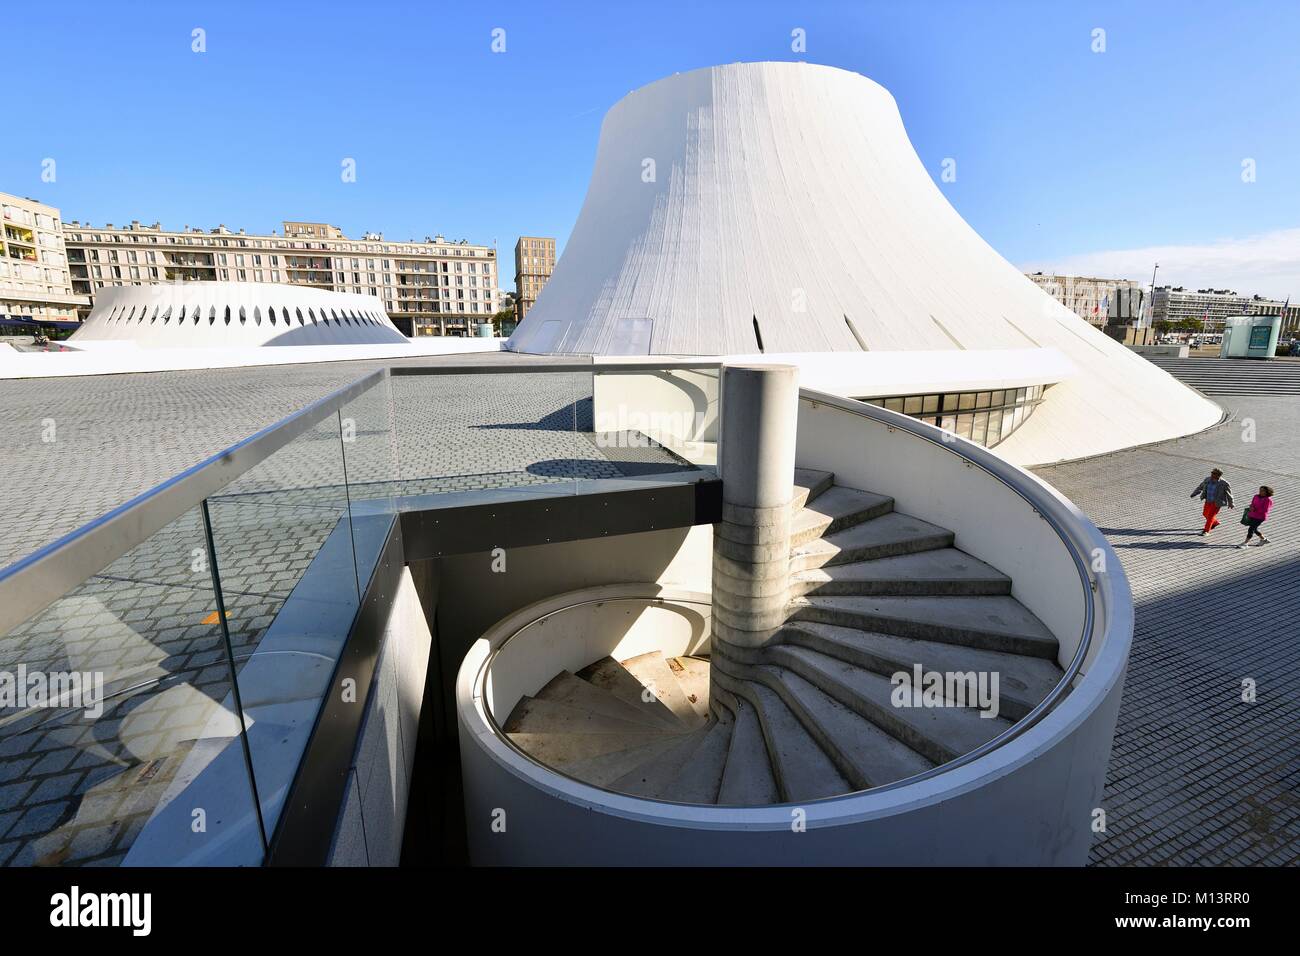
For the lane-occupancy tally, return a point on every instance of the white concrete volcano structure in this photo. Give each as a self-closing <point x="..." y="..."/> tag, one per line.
<point x="234" y="315"/>
<point x="780" y="208"/>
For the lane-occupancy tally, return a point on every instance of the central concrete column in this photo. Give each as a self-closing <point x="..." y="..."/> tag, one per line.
<point x="751" y="544"/>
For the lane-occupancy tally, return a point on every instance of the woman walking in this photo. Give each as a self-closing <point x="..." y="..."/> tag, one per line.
<point x="1255" y="515"/>
<point x="1214" y="491"/>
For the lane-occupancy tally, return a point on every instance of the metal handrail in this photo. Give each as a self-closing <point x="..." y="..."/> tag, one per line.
<point x="36" y="581"/>
<point x="33" y="583"/>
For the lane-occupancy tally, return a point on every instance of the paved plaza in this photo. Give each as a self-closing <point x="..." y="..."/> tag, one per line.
<point x="78" y="789"/>
<point x="75" y="448"/>
<point x="1197" y="774"/>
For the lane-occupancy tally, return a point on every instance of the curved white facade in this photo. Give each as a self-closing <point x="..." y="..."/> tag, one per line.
<point x="780" y="207"/>
<point x="235" y="314"/>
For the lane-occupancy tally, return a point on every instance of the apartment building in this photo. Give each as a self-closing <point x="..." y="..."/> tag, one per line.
<point x="434" y="287"/>
<point x="534" y="263"/>
<point x="34" y="279"/>
<point x="1095" y="300"/>
<point x="1212" y="307"/>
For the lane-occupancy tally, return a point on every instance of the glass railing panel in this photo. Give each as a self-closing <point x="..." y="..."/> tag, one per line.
<point x="654" y="422"/>
<point x="366" y="428"/>
<point x="463" y="432"/>
<point x="369" y="447"/>
<point x="119" y="736"/>
<point x="282" y="537"/>
<point x="489" y="431"/>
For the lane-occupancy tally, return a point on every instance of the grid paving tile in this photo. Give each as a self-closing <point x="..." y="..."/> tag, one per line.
<point x="82" y="788"/>
<point x="1198" y="775"/>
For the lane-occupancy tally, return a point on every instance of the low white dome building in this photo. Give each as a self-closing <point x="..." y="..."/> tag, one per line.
<point x="235" y="315"/>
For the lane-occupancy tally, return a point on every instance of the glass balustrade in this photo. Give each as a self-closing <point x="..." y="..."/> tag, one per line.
<point x="162" y="668"/>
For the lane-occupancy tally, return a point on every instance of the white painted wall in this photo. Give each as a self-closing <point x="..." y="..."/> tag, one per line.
<point x="989" y="519"/>
<point x="373" y="817"/>
<point x="1028" y="803"/>
<point x="673" y="406"/>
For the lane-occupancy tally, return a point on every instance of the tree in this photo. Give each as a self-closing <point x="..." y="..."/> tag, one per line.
<point x="504" y="318"/>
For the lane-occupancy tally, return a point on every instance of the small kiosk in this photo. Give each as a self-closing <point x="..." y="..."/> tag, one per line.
<point x="1250" y="336"/>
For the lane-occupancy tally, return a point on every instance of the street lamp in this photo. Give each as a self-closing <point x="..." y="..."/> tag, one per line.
<point x="1151" y="320"/>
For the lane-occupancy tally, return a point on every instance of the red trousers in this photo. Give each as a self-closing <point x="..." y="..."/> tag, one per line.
<point x="1211" y="512"/>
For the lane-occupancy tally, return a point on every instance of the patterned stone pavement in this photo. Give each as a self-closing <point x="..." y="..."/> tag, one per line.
<point x="74" y="448"/>
<point x="77" y="789"/>
<point x="1198" y="776"/>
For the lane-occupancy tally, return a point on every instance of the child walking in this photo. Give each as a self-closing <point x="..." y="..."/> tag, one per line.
<point x="1255" y="515"/>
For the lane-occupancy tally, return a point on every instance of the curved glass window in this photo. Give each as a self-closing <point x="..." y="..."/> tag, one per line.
<point x="985" y="418"/>
<point x="243" y="316"/>
<point x="257" y="315"/>
<point x="270" y="313"/>
<point x="227" y="315"/>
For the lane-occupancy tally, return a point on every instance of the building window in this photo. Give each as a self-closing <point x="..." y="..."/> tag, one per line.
<point x="986" y="418"/>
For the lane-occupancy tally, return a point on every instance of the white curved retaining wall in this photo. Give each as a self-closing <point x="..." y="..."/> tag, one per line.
<point x="1029" y="803"/>
<point x="601" y="626"/>
<point x="674" y="406"/>
<point x="877" y="450"/>
<point x="234" y="314"/>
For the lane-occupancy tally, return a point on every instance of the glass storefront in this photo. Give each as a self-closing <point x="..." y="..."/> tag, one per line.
<point x="985" y="418"/>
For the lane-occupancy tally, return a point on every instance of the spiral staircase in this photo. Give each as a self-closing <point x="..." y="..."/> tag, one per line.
<point x="813" y="714"/>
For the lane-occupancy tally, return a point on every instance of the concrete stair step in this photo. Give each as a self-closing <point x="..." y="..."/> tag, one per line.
<point x="701" y="776"/>
<point x="939" y="734"/>
<point x="747" y="779"/>
<point x="534" y="716"/>
<point x="693" y="675"/>
<point x="944" y="571"/>
<point x="612" y="677"/>
<point x="558" y="750"/>
<point x="886" y="536"/>
<point x="802" y="769"/>
<point x="835" y="509"/>
<point x="652" y="777"/>
<point x="808" y="485"/>
<point x="657" y="677"/>
<point x="602" y="770"/>
<point x="1022" y="681"/>
<point x="863" y="753"/>
<point x="567" y="688"/>
<point x="995" y="623"/>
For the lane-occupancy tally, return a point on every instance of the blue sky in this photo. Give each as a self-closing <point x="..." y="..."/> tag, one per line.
<point x="1065" y="156"/>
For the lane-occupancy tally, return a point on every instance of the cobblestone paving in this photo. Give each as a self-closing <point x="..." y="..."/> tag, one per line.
<point x="74" y="448"/>
<point x="75" y="789"/>
<point x="1197" y="775"/>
